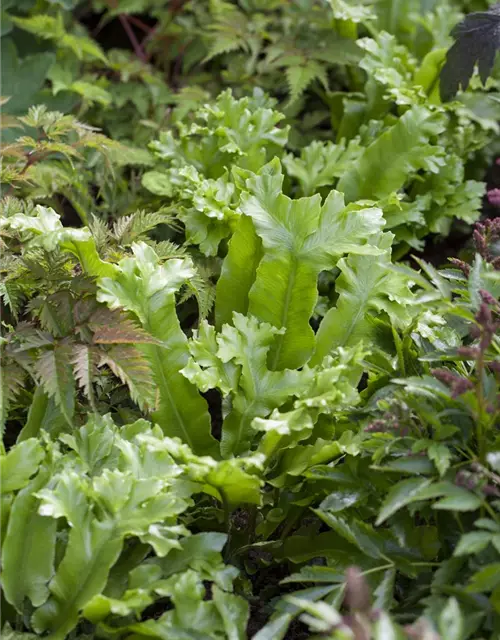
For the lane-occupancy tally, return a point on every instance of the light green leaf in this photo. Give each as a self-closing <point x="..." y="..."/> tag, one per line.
<point x="394" y="156"/>
<point x="101" y="606"/>
<point x="158" y="183"/>
<point x="28" y="548"/>
<point x="238" y="272"/>
<point x="441" y="456"/>
<point x="234" y="612"/>
<point x="17" y="467"/>
<point x="300" y="238"/>
<point x="81" y="575"/>
<point x="385" y="629"/>
<point x="275" y="629"/>
<point x="459" y="500"/>
<point x="343" y="10"/>
<point x="485" y="579"/>
<point x="366" y="287"/>
<point x="259" y="391"/>
<point x="91" y="92"/>
<point x="320" y="163"/>
<point x="147" y="289"/>
<point x="9" y="634"/>
<point x="384" y="593"/>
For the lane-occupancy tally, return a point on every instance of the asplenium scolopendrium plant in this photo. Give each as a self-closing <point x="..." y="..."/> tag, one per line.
<point x="285" y="432"/>
<point x="412" y="166"/>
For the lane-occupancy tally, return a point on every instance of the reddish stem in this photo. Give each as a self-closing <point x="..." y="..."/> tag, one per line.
<point x="139" y="52"/>
<point x="139" y="23"/>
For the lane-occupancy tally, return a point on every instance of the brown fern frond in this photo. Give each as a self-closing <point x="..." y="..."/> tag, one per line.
<point x="132" y="368"/>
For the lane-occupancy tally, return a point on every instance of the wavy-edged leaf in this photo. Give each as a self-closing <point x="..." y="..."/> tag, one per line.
<point x="394" y="156"/>
<point x="300" y="238"/>
<point x="80" y="243"/>
<point x="366" y="287"/>
<point x="234" y="612"/>
<point x="17" y="467"/>
<point x="147" y="289"/>
<point x="238" y="272"/>
<point x="93" y="548"/>
<point x="320" y="163"/>
<point x="28" y="548"/>
<point x="235" y="361"/>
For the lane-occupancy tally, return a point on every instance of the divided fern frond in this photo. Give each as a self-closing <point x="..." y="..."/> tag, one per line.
<point x="300" y="76"/>
<point x="202" y="288"/>
<point x="121" y="330"/>
<point x="85" y="359"/>
<point x="100" y="232"/>
<point x="54" y="370"/>
<point x="165" y="249"/>
<point x="130" y="228"/>
<point x="132" y="368"/>
<point x="12" y="381"/>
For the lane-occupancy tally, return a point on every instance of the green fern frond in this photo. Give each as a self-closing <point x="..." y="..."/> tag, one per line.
<point x="85" y="359"/>
<point x="12" y="295"/>
<point x="203" y="289"/>
<point x="166" y="249"/>
<point x="113" y="327"/>
<point x="300" y="76"/>
<point x="12" y="381"/>
<point x="100" y="231"/>
<point x="54" y="370"/>
<point x="130" y="228"/>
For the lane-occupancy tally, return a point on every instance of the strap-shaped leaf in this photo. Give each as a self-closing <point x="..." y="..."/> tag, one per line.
<point x="17" y="466"/>
<point x="236" y="362"/>
<point x="394" y="156"/>
<point x="365" y="286"/>
<point x="300" y="238"/>
<point x="93" y="547"/>
<point x="127" y="505"/>
<point x="46" y="229"/>
<point x="147" y="289"/>
<point x="238" y="272"/>
<point x="28" y="549"/>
